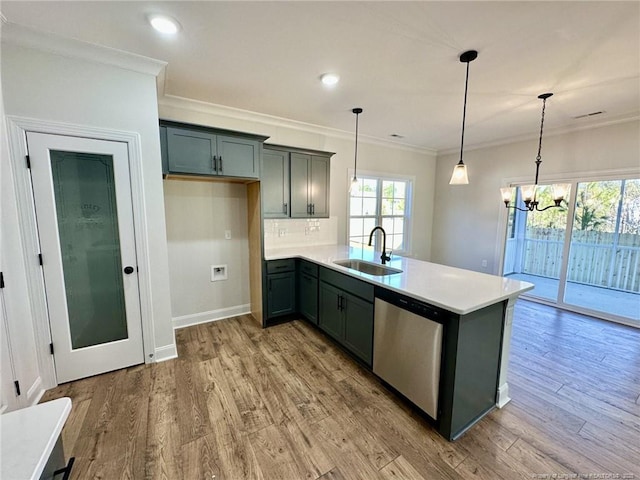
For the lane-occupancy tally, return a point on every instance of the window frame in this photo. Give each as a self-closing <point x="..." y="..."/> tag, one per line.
<point x="408" y="209"/>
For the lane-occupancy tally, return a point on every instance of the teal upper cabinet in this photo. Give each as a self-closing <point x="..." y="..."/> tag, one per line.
<point x="275" y="183"/>
<point x="295" y="182"/>
<point x="191" y="151"/>
<point x="309" y="185"/>
<point x="238" y="157"/>
<point x="197" y="150"/>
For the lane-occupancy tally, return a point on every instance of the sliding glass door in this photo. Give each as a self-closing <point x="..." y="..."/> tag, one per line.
<point x="603" y="272"/>
<point x="584" y="255"/>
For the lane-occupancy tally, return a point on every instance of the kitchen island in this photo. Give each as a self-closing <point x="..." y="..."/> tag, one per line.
<point x="474" y="309"/>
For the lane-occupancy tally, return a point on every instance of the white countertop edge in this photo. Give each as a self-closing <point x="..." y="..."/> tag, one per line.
<point x="285" y="253"/>
<point x="60" y="409"/>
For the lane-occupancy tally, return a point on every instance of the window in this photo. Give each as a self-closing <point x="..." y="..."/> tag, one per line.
<point x="380" y="201"/>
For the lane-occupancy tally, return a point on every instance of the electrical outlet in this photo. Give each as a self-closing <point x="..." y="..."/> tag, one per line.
<point x="282" y="232"/>
<point x="227" y="234"/>
<point x="484" y="264"/>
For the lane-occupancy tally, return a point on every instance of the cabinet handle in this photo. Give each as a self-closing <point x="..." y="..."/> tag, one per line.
<point x="220" y="164"/>
<point x="214" y="164"/>
<point x="313" y="209"/>
<point x="284" y="208"/>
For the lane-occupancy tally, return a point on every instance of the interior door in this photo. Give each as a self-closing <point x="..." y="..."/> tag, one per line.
<point x="82" y="195"/>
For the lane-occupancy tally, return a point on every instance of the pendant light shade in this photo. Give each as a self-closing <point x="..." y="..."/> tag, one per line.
<point x="459" y="176"/>
<point x="559" y="191"/>
<point x="354" y="180"/>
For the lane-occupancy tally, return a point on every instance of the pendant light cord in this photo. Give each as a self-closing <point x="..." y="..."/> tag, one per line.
<point x="355" y="160"/>
<point x="464" y="113"/>
<point x="539" y="156"/>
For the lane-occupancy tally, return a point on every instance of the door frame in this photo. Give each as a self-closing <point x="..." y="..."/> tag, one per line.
<point x="17" y="134"/>
<point x="573" y="178"/>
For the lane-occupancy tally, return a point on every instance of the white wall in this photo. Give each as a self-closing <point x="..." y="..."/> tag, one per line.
<point x="57" y="88"/>
<point x="466" y="219"/>
<point x="198" y="212"/>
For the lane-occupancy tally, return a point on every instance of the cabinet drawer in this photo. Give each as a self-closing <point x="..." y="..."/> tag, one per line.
<point x="280" y="266"/>
<point x="351" y="285"/>
<point x="309" y="268"/>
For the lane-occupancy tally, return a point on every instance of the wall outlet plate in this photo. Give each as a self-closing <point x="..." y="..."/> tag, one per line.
<point x="227" y="234"/>
<point x="218" y="272"/>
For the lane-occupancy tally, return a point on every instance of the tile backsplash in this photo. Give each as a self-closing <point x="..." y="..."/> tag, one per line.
<point x="297" y="232"/>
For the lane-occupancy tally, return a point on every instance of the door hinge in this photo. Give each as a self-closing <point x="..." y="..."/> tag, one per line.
<point x="1" y="279"/>
<point x="17" y="385"/>
<point x="28" y="159"/>
<point x="51" y="348"/>
<point x="40" y="258"/>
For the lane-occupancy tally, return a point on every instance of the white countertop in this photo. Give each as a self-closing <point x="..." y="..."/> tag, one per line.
<point x="454" y="289"/>
<point x="28" y="437"/>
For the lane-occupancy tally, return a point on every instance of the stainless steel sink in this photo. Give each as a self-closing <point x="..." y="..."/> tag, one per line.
<point x="367" y="267"/>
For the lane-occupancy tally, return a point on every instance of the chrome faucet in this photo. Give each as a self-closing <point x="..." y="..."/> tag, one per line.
<point x="384" y="257"/>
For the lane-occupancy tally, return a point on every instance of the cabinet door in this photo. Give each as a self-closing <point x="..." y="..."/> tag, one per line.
<point x="308" y="294"/>
<point x="358" y="328"/>
<point x="300" y="185"/>
<point x="282" y="294"/>
<point x="275" y="184"/>
<point x="319" y="186"/>
<point x="190" y="151"/>
<point x="330" y="318"/>
<point x="163" y="150"/>
<point x="238" y="157"/>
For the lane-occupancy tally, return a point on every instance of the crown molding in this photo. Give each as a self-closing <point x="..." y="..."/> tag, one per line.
<point x="199" y="106"/>
<point x="23" y="36"/>
<point x="549" y="132"/>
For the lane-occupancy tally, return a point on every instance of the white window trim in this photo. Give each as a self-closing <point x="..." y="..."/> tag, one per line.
<point x="406" y="252"/>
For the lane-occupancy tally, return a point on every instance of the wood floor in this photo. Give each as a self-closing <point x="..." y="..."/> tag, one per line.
<point x="284" y="403"/>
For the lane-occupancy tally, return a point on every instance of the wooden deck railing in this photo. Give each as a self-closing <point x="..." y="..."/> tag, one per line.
<point x="601" y="259"/>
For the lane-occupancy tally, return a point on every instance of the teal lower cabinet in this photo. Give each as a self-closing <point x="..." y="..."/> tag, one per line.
<point x="331" y="319"/>
<point x="358" y="327"/>
<point x="282" y="299"/>
<point x="308" y="291"/>
<point x="281" y="288"/>
<point x="346" y="317"/>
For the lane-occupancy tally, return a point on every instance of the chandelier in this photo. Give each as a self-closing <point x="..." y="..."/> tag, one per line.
<point x="530" y="192"/>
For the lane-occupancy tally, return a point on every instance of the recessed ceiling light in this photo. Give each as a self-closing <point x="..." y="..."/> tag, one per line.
<point x="330" y="79"/>
<point x="164" y="24"/>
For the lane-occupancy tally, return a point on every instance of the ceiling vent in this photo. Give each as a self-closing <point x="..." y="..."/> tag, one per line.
<point x="587" y="115"/>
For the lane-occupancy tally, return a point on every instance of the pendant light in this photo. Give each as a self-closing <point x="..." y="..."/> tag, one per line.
<point x="459" y="175"/>
<point x="529" y="192"/>
<point x="354" y="180"/>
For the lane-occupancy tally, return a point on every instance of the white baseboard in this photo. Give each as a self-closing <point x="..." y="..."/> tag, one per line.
<point x="35" y="392"/>
<point x="166" y="352"/>
<point x="503" y="395"/>
<point x="211" y="316"/>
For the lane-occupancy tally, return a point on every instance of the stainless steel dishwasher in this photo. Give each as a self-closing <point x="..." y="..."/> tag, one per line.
<point x="407" y="349"/>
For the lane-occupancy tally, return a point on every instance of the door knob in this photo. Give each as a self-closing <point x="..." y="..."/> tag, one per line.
<point x="128" y="270"/>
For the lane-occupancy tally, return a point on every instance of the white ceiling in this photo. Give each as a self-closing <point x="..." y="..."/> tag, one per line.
<point x="397" y="60"/>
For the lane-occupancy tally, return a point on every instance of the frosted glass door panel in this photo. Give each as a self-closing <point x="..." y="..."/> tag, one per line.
<point x="84" y="191"/>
